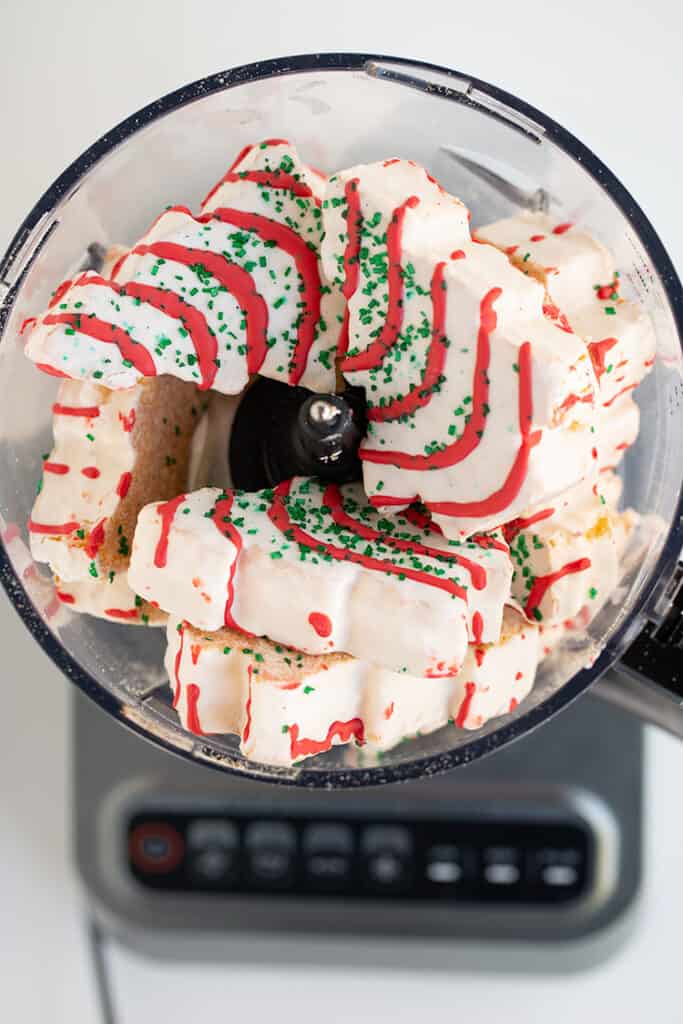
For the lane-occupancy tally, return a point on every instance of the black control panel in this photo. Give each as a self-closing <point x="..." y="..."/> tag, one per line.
<point x="513" y="862"/>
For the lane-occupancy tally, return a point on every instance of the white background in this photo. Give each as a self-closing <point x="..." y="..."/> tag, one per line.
<point x="612" y="74"/>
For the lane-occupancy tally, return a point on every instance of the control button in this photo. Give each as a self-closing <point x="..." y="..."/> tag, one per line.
<point x="155" y="847"/>
<point x="501" y="865"/>
<point x="387" y="837"/>
<point x="213" y="865"/>
<point x="560" y="875"/>
<point x="328" y="837"/>
<point x="212" y="832"/>
<point x="444" y="864"/>
<point x="558" y="867"/>
<point x="270" y="852"/>
<point x="388" y="856"/>
<point x="328" y="854"/>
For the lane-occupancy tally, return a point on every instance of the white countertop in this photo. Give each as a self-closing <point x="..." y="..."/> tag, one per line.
<point x="610" y="73"/>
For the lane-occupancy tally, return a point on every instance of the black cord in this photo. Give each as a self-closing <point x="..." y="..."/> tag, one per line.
<point x="102" y="979"/>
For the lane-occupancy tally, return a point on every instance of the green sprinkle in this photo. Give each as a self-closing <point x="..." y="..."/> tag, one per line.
<point x="285" y="728"/>
<point x="92" y="569"/>
<point x="309" y="689"/>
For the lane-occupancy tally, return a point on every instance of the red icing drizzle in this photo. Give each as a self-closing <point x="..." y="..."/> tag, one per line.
<point x="463" y="710"/>
<point x="421" y="394"/>
<point x="479" y="655"/>
<point x="95" y="539"/>
<point x="28" y="322"/>
<point x="98" y="329"/>
<point x="597" y="351"/>
<point x="306" y="263"/>
<point x="321" y="623"/>
<point x="513" y="703"/>
<point x="195" y="651"/>
<point x="89" y="412"/>
<point x="59" y="468"/>
<point x="457" y="254"/>
<point x="372" y="356"/>
<point x="514" y="481"/>
<point x="92" y="472"/>
<point x="192" y="319"/>
<point x="485" y="540"/>
<point x="238" y="282"/>
<point x="176" y="666"/>
<point x="53" y="371"/>
<point x="122" y="613"/>
<point x="543" y="583"/>
<point x="629" y="387"/>
<point x="52" y="528"/>
<point x="572" y="400"/>
<point x="127" y="422"/>
<point x="536" y="238"/>
<point x="421" y="519"/>
<point x="123" y="485"/>
<point x="277" y="179"/>
<point x="477" y="627"/>
<point x="562" y="228"/>
<point x="354" y="223"/>
<point x="279" y="516"/>
<point x="382" y="500"/>
<point x="221" y="519"/>
<point x="515" y="526"/>
<point x="342" y="730"/>
<point x="389" y="710"/>
<point x="333" y="499"/>
<point x="192" y="697"/>
<point x="60" y="291"/>
<point x="238" y="160"/>
<point x="166" y="512"/>
<point x="65" y="598"/>
<point x="460" y="449"/>
<point x="553" y="312"/>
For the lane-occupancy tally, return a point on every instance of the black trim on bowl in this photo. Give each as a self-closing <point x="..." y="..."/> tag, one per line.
<point x="507" y="732"/>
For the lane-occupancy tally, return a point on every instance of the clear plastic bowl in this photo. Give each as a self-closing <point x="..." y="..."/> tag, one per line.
<point x="340" y="109"/>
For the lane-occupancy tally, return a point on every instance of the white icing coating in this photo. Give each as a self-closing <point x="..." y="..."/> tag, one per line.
<point x="491" y="325"/>
<point x="495" y="678"/>
<point x="99" y="444"/>
<point x="576" y="542"/>
<point x="263" y="280"/>
<point x="631" y="356"/>
<point x="286" y="707"/>
<point x="571" y="262"/>
<point x="585" y="286"/>
<point x="110" y="599"/>
<point x="616" y="430"/>
<point x="278" y="586"/>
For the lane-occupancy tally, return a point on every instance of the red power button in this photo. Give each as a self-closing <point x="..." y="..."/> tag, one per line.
<point x="155" y="847"/>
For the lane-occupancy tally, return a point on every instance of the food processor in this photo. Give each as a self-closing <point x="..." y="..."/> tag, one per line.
<point x="539" y="843"/>
<point x="484" y="145"/>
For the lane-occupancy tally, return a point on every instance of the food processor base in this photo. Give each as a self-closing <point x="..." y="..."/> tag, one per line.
<point x="527" y="860"/>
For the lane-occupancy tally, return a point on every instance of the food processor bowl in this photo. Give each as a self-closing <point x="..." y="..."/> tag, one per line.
<point x="496" y="153"/>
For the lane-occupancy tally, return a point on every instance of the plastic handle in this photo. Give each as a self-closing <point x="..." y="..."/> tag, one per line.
<point x="648" y="680"/>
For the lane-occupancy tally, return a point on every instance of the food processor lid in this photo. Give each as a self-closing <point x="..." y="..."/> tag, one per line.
<point x="657" y="599"/>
